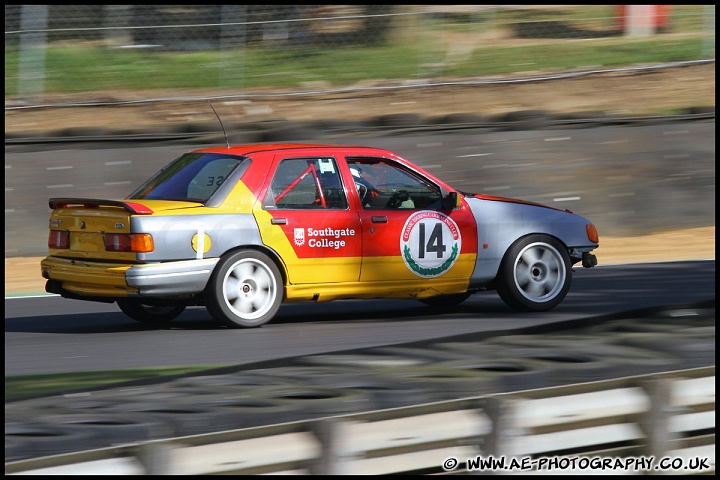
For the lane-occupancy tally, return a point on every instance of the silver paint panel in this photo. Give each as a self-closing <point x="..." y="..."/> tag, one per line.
<point x="173" y="234"/>
<point x="501" y="223"/>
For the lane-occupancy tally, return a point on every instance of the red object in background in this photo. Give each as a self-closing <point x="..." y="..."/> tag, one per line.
<point x="657" y="16"/>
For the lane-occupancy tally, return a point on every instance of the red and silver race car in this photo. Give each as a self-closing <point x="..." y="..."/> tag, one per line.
<point x="243" y="229"/>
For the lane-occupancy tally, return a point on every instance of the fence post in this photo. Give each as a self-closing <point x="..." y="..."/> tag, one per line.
<point x="501" y="412"/>
<point x="326" y="431"/>
<point x="655" y="423"/>
<point x="33" y="43"/>
<point x="233" y="37"/>
<point x="117" y="19"/>
<point x="157" y="458"/>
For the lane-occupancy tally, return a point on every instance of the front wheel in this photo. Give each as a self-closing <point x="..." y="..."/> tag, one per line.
<point x="146" y="313"/>
<point x="535" y="274"/>
<point x="245" y="290"/>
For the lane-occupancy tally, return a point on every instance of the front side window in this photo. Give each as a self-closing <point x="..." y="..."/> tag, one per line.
<point x="384" y="184"/>
<point x="306" y="183"/>
<point x="193" y="177"/>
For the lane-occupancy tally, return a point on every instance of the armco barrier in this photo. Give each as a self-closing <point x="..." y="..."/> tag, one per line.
<point x="660" y="423"/>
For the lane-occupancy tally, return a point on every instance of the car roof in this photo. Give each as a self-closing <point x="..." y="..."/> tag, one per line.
<point x="269" y="147"/>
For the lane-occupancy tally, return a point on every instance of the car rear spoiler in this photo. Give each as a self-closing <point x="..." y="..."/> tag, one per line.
<point x="136" y="208"/>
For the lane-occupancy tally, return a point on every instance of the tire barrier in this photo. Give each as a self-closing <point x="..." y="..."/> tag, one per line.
<point x="525" y="120"/>
<point x="383" y="393"/>
<point x="108" y="429"/>
<point x="144" y="393"/>
<point x="399" y="120"/>
<point x="694" y="348"/>
<point x="181" y="418"/>
<point x="31" y="440"/>
<point x="558" y="363"/>
<point x="210" y="383"/>
<point x="548" y="341"/>
<point x="296" y="372"/>
<point x="248" y="410"/>
<point x="631" y="360"/>
<point x="567" y="366"/>
<point x="285" y="130"/>
<point x="316" y="401"/>
<point x="63" y="405"/>
<point x="445" y="381"/>
<point x="508" y="374"/>
<point x="461" y="119"/>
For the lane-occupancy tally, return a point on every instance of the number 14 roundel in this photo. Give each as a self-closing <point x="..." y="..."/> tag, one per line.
<point x="430" y="243"/>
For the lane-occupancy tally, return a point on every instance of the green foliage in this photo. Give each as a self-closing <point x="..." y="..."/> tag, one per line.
<point x="27" y="385"/>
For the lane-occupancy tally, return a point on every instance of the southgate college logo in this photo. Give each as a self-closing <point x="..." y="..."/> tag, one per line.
<point x="299" y="237"/>
<point x="430" y="243"/>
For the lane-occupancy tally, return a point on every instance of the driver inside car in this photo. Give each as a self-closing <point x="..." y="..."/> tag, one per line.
<point x="367" y="191"/>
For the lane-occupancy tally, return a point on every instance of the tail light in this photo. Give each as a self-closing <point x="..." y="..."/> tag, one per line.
<point x="129" y="242"/>
<point x="59" y="239"/>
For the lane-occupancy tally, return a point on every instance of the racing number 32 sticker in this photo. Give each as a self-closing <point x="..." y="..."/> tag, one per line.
<point x="430" y="243"/>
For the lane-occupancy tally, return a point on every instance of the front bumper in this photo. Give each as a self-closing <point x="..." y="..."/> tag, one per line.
<point x="84" y="278"/>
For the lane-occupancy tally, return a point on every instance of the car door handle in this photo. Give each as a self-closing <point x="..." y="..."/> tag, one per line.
<point x="382" y="219"/>
<point x="279" y="221"/>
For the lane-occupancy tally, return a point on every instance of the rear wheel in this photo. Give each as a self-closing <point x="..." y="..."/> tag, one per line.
<point x="245" y="290"/>
<point x="535" y="274"/>
<point x="145" y="313"/>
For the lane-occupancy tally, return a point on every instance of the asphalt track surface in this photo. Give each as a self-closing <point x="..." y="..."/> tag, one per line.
<point x="53" y="335"/>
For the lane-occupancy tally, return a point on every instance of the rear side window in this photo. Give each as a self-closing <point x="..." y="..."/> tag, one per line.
<point x="193" y="177"/>
<point x="306" y="183"/>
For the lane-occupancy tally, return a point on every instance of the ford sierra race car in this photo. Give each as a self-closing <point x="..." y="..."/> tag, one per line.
<point x="242" y="229"/>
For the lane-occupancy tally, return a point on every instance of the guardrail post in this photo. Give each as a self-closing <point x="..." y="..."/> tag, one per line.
<point x="655" y="423"/>
<point x="157" y="458"/>
<point x="501" y="412"/>
<point x="326" y="431"/>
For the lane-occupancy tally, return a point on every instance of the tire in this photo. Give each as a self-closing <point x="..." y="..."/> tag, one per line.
<point x="446" y="301"/>
<point x="107" y="429"/>
<point x="245" y="290"/>
<point x="146" y="313"/>
<point x="175" y="419"/>
<point x="535" y="274"/>
<point x="35" y="440"/>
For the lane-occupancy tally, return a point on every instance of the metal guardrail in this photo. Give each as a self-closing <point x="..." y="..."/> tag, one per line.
<point x="660" y="423"/>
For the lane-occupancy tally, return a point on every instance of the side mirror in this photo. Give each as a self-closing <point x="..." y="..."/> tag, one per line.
<point x="450" y="201"/>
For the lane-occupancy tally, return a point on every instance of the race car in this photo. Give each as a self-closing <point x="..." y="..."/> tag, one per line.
<point x="242" y="229"/>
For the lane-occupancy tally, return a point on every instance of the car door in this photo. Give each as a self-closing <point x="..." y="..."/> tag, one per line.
<point x="408" y="237"/>
<point x="311" y="225"/>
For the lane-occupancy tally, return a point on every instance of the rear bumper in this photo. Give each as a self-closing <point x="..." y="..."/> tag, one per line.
<point x="97" y="279"/>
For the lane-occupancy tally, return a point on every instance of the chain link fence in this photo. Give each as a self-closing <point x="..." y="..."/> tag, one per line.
<point x="78" y="49"/>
